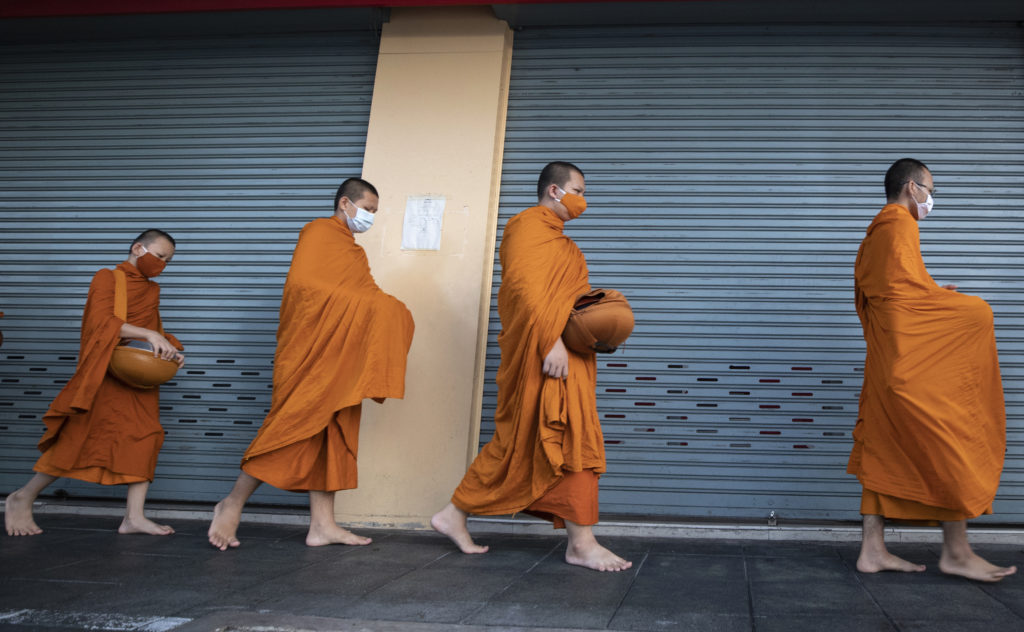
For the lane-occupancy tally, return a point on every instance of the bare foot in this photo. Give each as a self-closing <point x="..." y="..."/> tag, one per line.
<point x="322" y="535"/>
<point x="18" y="515"/>
<point x="974" y="567"/>
<point x="451" y="521"/>
<point x="225" y="523"/>
<point x="143" y="525"/>
<point x="885" y="561"/>
<point x="594" y="556"/>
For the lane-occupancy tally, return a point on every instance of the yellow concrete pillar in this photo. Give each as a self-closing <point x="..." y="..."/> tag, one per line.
<point x="437" y="127"/>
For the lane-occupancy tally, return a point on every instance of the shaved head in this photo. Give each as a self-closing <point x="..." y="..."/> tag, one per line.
<point x="147" y="237"/>
<point x="557" y="173"/>
<point x="354" y="189"/>
<point x="902" y="171"/>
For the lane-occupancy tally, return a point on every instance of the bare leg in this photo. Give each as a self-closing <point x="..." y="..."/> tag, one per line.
<point x="135" y="520"/>
<point x="228" y="513"/>
<point x="583" y="550"/>
<point x="323" y="530"/>
<point x="959" y="559"/>
<point x="451" y="521"/>
<point x="874" y="557"/>
<point x="18" y="506"/>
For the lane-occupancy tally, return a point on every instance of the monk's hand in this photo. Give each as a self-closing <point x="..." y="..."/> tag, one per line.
<point x="556" y="363"/>
<point x="949" y="287"/>
<point x="162" y="348"/>
<point x="180" y="359"/>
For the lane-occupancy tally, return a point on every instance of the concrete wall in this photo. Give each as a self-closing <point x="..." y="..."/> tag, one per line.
<point x="437" y="125"/>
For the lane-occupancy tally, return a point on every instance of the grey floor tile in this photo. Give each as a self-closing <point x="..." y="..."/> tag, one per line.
<point x="799" y="569"/>
<point x="811" y="598"/>
<point x="345" y="574"/>
<point x="950" y="602"/>
<point x="789" y="549"/>
<point x="450" y="612"/>
<point x="693" y="596"/>
<point x="253" y="557"/>
<point x="327" y="589"/>
<point x="440" y="595"/>
<point x="322" y="604"/>
<point x="404" y="551"/>
<point x="573" y="597"/>
<point x="1009" y="592"/>
<point x="116" y="567"/>
<point x="571" y="584"/>
<point x="151" y="599"/>
<point x="557" y="614"/>
<point x="831" y="623"/>
<point x="166" y="585"/>
<point x="932" y="625"/>
<point x="634" y="618"/>
<point x="685" y="569"/>
<point x="669" y="546"/>
<point x="446" y="584"/>
<point x="42" y="594"/>
<point x="694" y="584"/>
<point x="518" y="559"/>
<point x="50" y="537"/>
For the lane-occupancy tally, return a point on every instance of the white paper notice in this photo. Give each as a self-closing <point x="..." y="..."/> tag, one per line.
<point x="422" y="227"/>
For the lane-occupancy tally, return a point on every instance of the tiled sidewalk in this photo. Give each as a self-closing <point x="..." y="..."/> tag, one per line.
<point x="81" y="575"/>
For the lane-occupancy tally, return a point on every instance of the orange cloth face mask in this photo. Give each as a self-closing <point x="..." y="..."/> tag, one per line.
<point x="150" y="265"/>
<point x="573" y="203"/>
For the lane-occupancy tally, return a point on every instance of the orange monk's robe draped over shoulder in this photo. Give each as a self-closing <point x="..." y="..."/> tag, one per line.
<point x="341" y="339"/>
<point x="932" y="424"/>
<point x="98" y="429"/>
<point x="544" y="426"/>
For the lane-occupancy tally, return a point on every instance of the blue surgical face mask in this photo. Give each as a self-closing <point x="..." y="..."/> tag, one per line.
<point x="361" y="222"/>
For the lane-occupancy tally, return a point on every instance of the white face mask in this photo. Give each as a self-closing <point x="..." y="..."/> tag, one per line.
<point x="923" y="208"/>
<point x="361" y="222"/>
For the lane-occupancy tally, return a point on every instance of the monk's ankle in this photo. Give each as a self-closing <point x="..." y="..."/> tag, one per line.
<point x="957" y="550"/>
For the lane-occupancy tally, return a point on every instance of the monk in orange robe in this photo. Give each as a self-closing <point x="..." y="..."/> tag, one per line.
<point x="548" y="450"/>
<point x="340" y="340"/>
<point x="931" y="431"/>
<point x="99" y="429"/>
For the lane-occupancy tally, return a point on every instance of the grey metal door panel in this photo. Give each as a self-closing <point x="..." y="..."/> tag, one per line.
<point x="231" y="144"/>
<point x="731" y="173"/>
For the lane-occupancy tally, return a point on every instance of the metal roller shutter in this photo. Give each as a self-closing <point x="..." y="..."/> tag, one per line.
<point x="230" y="144"/>
<point x="731" y="174"/>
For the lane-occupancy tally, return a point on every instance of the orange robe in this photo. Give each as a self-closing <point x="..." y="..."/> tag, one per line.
<point x="544" y="427"/>
<point x="931" y="432"/>
<point x="341" y="339"/>
<point x="98" y="429"/>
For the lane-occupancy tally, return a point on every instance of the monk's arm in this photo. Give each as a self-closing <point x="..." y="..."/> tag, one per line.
<point x="162" y="347"/>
